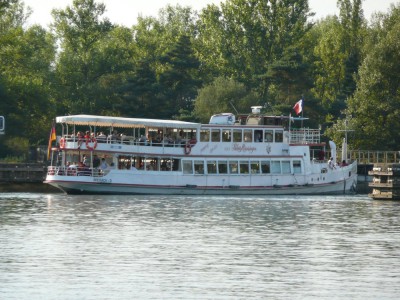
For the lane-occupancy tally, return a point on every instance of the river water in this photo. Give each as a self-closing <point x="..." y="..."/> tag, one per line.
<point x="56" y="246"/>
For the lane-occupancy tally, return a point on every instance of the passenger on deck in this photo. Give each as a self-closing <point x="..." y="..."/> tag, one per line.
<point x="331" y="164"/>
<point x="143" y="140"/>
<point x="168" y="141"/>
<point x="80" y="136"/>
<point x="103" y="164"/>
<point x="84" y="160"/>
<point x="96" y="161"/>
<point x="114" y="136"/>
<point x="101" y="137"/>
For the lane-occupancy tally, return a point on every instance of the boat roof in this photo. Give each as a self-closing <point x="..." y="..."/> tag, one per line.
<point x="105" y="121"/>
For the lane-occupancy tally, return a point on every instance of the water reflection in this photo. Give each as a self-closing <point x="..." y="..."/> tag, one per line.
<point x="149" y="247"/>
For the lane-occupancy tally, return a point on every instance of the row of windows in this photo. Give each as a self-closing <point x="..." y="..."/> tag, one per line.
<point x="241" y="167"/>
<point x="241" y="135"/>
<point x="210" y="166"/>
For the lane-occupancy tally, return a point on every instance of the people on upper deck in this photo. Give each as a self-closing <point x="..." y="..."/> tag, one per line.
<point x="122" y="137"/>
<point x="101" y="137"/>
<point x="168" y="140"/>
<point x="114" y="136"/>
<point x="143" y="140"/>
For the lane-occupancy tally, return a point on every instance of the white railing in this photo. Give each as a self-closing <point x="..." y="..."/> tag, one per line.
<point x="305" y="136"/>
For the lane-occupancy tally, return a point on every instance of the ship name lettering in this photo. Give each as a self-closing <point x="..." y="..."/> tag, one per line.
<point x="243" y="148"/>
<point x="102" y="180"/>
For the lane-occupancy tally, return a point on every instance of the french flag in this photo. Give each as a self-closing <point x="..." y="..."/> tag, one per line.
<point x="298" y="107"/>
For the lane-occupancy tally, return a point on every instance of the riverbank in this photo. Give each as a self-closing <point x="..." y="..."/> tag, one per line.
<point x="24" y="177"/>
<point x="27" y="187"/>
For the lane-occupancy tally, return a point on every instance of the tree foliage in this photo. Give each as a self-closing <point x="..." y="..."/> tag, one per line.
<point x="375" y="105"/>
<point x="189" y="65"/>
<point x="25" y="77"/>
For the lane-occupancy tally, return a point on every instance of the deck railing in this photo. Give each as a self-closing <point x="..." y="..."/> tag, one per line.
<point x="305" y="136"/>
<point x="369" y="157"/>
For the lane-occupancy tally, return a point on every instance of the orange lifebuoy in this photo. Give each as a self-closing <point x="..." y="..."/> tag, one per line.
<point x="91" y="140"/>
<point x="62" y="143"/>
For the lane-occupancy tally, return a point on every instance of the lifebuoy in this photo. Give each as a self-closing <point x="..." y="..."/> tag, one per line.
<point x="188" y="148"/>
<point x="91" y="140"/>
<point x="62" y="143"/>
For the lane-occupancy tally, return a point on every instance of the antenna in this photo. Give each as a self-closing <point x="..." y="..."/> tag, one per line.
<point x="230" y="102"/>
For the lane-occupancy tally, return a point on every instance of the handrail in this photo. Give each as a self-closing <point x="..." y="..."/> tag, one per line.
<point x="370" y="157"/>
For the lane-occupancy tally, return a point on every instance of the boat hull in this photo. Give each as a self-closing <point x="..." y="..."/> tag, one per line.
<point x="340" y="187"/>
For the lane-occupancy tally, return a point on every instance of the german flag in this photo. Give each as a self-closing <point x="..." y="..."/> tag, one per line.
<point x="52" y="138"/>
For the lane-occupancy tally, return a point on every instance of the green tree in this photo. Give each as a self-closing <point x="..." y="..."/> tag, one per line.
<point x="244" y="38"/>
<point x="223" y="95"/>
<point x="178" y="77"/>
<point x="338" y="56"/>
<point x="80" y="30"/>
<point x="25" y="78"/>
<point x="141" y="93"/>
<point x="375" y="106"/>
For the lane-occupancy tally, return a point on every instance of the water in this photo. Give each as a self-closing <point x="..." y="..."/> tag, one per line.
<point x="150" y="247"/>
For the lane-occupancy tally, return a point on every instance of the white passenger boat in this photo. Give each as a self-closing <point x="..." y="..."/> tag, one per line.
<point x="250" y="154"/>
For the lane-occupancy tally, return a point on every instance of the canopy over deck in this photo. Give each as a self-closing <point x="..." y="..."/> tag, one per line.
<point x="104" y="121"/>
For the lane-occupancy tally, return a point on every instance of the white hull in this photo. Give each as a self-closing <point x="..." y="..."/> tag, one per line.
<point x="335" y="183"/>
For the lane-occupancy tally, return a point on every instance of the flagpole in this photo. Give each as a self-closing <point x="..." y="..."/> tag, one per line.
<point x="302" y="110"/>
<point x="290" y="121"/>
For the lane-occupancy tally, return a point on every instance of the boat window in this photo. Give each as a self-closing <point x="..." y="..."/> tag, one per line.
<point x="233" y="167"/>
<point x="258" y="136"/>
<point x="296" y="166"/>
<point x="176" y="164"/>
<point x="275" y="167"/>
<point x="187" y="167"/>
<point x="152" y="164"/>
<point x="265" y="167"/>
<point x="166" y="165"/>
<point x="268" y="136"/>
<point x="255" y="167"/>
<point x="286" y="167"/>
<point x="215" y="135"/>
<point x="124" y="162"/>
<point x="226" y="135"/>
<point x="222" y="167"/>
<point x="205" y="135"/>
<point x="247" y="135"/>
<point x="212" y="167"/>
<point x="237" y="135"/>
<point x="278" y="136"/>
<point x="244" y="167"/>
<point x="198" y="167"/>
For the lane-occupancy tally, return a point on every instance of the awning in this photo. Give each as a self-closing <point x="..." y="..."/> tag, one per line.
<point x="104" y="121"/>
